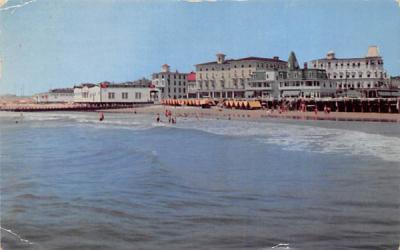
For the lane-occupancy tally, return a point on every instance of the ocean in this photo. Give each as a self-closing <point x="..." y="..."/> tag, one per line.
<point x="69" y="181"/>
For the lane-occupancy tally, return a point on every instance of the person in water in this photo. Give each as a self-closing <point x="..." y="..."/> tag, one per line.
<point x="101" y="116"/>
<point x="158" y="117"/>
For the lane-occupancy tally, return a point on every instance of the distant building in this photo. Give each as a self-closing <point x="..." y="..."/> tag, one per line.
<point x="143" y="82"/>
<point x="64" y="95"/>
<point x="170" y="84"/>
<point x="106" y="92"/>
<point x="362" y="73"/>
<point x="394" y="82"/>
<point x="291" y="82"/>
<point x="191" y="83"/>
<point x="230" y="78"/>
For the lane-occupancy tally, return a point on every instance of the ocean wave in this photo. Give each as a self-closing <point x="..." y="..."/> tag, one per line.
<point x="289" y="136"/>
<point x="293" y="137"/>
<point x="17" y="236"/>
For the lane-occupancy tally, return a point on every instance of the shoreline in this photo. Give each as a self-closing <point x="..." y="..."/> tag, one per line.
<point x="256" y="115"/>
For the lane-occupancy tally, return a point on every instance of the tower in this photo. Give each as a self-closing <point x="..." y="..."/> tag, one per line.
<point x="292" y="62"/>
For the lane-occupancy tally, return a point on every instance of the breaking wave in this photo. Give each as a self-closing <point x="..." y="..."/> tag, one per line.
<point x="289" y="136"/>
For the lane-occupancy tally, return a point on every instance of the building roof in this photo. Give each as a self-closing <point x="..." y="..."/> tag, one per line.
<point x="251" y="58"/>
<point x="62" y="90"/>
<point x="350" y="58"/>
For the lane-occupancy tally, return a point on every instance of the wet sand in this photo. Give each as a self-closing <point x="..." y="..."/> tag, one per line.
<point x="236" y="114"/>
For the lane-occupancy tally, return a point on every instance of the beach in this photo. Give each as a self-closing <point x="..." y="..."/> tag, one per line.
<point x="262" y="114"/>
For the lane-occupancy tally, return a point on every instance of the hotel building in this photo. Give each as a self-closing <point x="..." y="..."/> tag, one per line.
<point x="362" y="73"/>
<point x="230" y="78"/>
<point x="106" y="92"/>
<point x="291" y="82"/>
<point x="170" y="84"/>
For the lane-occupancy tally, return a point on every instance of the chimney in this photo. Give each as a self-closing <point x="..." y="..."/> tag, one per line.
<point x="276" y="58"/>
<point x="220" y="58"/>
<point x="165" y="68"/>
<point x="373" y="51"/>
<point x="305" y="65"/>
<point x="330" y="55"/>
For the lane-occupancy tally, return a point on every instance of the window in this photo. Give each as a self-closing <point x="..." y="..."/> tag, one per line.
<point x="111" y="95"/>
<point x="138" y="95"/>
<point x="124" y="95"/>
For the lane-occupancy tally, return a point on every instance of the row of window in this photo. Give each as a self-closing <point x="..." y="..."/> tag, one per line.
<point x="353" y="74"/>
<point x="359" y="85"/>
<point x="169" y="76"/>
<point x="302" y="83"/>
<point x="353" y="65"/>
<point x="124" y="95"/>
<point x="111" y="95"/>
<point x="180" y="90"/>
<point x="262" y="65"/>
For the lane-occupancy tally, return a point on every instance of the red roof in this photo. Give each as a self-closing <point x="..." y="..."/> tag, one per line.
<point x="191" y="76"/>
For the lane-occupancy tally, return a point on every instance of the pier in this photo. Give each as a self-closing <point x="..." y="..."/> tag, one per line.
<point x="32" y="107"/>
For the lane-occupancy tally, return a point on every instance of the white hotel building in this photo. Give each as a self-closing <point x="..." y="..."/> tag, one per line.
<point x="362" y="73"/>
<point x="114" y="93"/>
<point x="230" y="78"/>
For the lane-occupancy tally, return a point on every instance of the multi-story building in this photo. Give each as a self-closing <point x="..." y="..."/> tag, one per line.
<point x="297" y="82"/>
<point x="55" y="96"/>
<point x="264" y="84"/>
<point x="230" y="78"/>
<point x="362" y="73"/>
<point x="191" y="85"/>
<point x="170" y="84"/>
<point x="291" y="82"/>
<point x="106" y="92"/>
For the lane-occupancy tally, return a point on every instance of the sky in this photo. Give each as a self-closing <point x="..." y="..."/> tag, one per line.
<point x="48" y="44"/>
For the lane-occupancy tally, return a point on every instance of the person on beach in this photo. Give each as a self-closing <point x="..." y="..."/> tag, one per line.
<point x="316" y="110"/>
<point x="101" y="116"/>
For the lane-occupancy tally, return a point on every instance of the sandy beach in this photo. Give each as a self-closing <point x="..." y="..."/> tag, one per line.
<point x="236" y="114"/>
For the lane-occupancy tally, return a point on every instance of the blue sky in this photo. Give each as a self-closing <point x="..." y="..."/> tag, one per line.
<point x="48" y="44"/>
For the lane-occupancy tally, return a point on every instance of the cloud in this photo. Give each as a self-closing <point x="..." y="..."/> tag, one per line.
<point x="15" y="6"/>
<point x="3" y="2"/>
